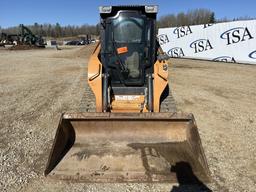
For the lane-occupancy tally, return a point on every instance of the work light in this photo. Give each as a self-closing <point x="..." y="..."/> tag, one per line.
<point x="151" y="8"/>
<point x="105" y="9"/>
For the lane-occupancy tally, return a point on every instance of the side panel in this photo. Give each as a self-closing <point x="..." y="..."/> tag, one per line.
<point x="95" y="77"/>
<point x="160" y="82"/>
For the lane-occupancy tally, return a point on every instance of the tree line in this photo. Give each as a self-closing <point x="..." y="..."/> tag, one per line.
<point x="56" y="30"/>
<point x="192" y="17"/>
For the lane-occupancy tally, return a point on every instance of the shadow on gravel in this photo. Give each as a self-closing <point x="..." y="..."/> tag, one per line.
<point x="165" y="94"/>
<point x="188" y="182"/>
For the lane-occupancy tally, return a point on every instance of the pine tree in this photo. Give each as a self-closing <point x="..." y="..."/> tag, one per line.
<point x="212" y="18"/>
<point x="58" y="31"/>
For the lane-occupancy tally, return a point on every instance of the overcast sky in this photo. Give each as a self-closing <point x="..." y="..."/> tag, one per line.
<point x="78" y="12"/>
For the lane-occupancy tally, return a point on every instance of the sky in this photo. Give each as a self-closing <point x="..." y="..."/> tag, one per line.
<point x="78" y="12"/>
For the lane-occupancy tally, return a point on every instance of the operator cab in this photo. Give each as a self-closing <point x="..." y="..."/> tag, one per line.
<point x="128" y="43"/>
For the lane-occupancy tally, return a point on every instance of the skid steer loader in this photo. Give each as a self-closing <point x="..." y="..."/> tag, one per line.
<point x="127" y="138"/>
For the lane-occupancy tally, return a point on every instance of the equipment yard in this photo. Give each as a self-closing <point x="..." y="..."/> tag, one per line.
<point x="36" y="86"/>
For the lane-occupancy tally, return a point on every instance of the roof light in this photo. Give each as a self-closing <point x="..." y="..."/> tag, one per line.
<point x="105" y="9"/>
<point x="151" y="8"/>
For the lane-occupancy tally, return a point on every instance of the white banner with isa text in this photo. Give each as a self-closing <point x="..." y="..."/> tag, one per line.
<point x="228" y="42"/>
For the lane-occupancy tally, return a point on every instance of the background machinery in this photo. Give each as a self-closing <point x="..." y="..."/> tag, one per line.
<point x="25" y="39"/>
<point x="28" y="38"/>
<point x="125" y="136"/>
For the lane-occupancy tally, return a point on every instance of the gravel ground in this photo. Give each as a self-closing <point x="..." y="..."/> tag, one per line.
<point x="37" y="85"/>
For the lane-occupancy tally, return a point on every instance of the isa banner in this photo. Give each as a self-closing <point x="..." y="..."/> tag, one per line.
<point x="228" y="42"/>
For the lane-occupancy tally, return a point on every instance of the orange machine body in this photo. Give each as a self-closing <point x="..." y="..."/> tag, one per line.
<point x="126" y="103"/>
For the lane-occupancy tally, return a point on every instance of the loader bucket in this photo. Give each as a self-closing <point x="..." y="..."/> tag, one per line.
<point x="122" y="147"/>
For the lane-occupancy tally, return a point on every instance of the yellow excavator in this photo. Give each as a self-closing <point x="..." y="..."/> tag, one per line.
<point x="134" y="133"/>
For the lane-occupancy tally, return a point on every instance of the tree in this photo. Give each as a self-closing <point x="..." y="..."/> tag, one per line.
<point x="58" y="30"/>
<point x="212" y="18"/>
<point x="41" y="31"/>
<point x="49" y="30"/>
<point x="182" y="19"/>
<point x="35" y="28"/>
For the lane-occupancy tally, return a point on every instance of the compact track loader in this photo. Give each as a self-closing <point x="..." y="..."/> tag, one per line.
<point x="125" y="136"/>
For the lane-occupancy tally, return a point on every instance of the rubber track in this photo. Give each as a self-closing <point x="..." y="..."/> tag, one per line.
<point x="88" y="99"/>
<point x="168" y="104"/>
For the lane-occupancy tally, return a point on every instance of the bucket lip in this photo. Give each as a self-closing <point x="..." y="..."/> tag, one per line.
<point x="180" y="116"/>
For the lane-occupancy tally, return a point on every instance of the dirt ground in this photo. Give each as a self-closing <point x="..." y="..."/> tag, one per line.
<point x="37" y="85"/>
